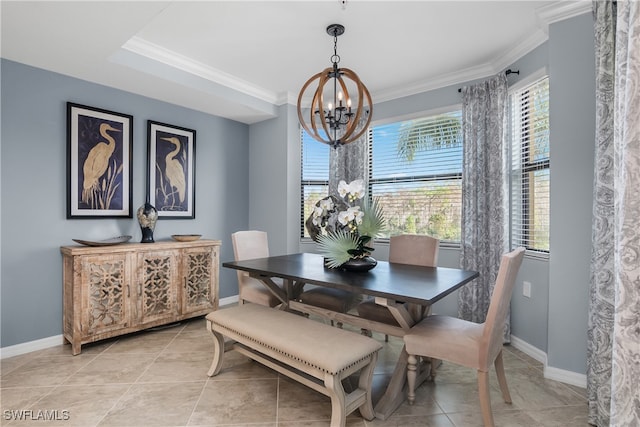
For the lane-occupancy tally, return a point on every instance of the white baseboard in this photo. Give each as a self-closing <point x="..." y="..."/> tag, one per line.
<point x="228" y="300"/>
<point x="28" y="347"/>
<point x="44" y="343"/>
<point x="564" y="376"/>
<point x="556" y="374"/>
<point x="529" y="350"/>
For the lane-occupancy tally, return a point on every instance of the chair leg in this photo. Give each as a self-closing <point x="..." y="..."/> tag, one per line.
<point x="502" y="379"/>
<point x="485" y="398"/>
<point x="412" y="373"/>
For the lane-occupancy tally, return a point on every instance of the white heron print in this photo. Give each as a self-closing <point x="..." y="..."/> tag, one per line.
<point x="101" y="169"/>
<point x="171" y="173"/>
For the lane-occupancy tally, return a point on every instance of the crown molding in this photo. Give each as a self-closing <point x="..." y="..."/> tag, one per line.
<point x="560" y="11"/>
<point x="503" y="61"/>
<point x="152" y="51"/>
<point x="546" y="15"/>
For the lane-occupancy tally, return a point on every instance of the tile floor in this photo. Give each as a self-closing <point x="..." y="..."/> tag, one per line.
<point x="158" y="378"/>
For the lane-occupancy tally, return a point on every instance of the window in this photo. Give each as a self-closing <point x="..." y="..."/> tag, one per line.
<point x="415" y="172"/>
<point x="315" y="175"/>
<point x="530" y="166"/>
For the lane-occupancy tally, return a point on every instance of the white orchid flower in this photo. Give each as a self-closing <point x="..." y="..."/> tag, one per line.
<point x="350" y="215"/>
<point x="343" y="188"/>
<point x="326" y="204"/>
<point x="356" y="188"/>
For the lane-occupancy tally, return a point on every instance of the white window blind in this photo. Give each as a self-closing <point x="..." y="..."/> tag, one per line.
<point x="416" y="173"/>
<point x="315" y="175"/>
<point x="530" y="166"/>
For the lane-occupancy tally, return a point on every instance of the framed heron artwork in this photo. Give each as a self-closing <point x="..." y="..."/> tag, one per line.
<point x="99" y="159"/>
<point x="171" y="152"/>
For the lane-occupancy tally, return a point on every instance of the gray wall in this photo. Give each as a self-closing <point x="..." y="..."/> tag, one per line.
<point x="572" y="121"/>
<point x="33" y="219"/>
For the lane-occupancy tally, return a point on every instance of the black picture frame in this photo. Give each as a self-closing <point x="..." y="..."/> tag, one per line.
<point x="171" y="170"/>
<point x="99" y="163"/>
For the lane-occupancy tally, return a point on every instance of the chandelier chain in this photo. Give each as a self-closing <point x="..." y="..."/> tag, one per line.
<point x="335" y="58"/>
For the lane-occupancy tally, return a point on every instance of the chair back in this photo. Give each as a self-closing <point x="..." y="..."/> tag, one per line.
<point x="414" y="249"/>
<point x="249" y="244"/>
<point x="493" y="333"/>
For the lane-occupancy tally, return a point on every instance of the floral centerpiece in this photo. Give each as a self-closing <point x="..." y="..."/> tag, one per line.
<point x="344" y="228"/>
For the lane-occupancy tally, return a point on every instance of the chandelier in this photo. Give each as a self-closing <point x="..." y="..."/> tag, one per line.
<point x="347" y="113"/>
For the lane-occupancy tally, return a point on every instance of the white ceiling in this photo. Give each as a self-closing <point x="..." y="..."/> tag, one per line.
<point x="240" y="59"/>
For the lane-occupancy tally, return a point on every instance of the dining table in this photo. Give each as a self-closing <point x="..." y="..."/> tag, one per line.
<point x="408" y="291"/>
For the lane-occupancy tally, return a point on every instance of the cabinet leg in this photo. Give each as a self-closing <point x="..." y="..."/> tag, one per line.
<point x="76" y="347"/>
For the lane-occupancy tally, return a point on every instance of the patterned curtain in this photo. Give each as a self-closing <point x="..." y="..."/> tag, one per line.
<point x="484" y="192"/>
<point x="613" y="367"/>
<point x="348" y="162"/>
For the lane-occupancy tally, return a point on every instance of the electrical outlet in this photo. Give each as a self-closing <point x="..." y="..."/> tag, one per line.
<point x="526" y="289"/>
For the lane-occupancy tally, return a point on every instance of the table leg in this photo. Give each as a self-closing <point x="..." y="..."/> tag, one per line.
<point x="395" y="393"/>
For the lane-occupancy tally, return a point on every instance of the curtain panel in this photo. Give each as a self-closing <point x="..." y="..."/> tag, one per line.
<point x="348" y="162"/>
<point x="613" y="360"/>
<point x="484" y="192"/>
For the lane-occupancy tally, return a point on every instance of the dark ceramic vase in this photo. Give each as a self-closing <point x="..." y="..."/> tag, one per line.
<point x="147" y="217"/>
<point x="360" y="264"/>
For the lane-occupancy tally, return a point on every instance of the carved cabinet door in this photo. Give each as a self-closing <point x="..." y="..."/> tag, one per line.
<point x="199" y="270"/>
<point x="156" y="290"/>
<point x="106" y="293"/>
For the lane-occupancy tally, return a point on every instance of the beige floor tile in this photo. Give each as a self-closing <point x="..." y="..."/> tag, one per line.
<point x="155" y="405"/>
<point x="17" y="398"/>
<point x="530" y="390"/>
<point x="238" y="366"/>
<point x="507" y="418"/>
<point x="237" y="401"/>
<point x="78" y="406"/>
<point x="149" y="342"/>
<point x="177" y="367"/>
<point x="110" y="368"/>
<point x="188" y="342"/>
<point x="45" y="371"/>
<point x="566" y="416"/>
<point x="299" y="403"/>
<point x="440" y="420"/>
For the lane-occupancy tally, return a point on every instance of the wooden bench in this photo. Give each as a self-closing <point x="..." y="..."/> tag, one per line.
<point x="312" y="353"/>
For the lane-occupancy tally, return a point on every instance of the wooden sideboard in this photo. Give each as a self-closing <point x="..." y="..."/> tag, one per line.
<point x="114" y="290"/>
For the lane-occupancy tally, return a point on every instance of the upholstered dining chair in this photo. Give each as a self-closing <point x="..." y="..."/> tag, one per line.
<point x="410" y="249"/>
<point x="251" y="244"/>
<point x="330" y="299"/>
<point x="474" y="345"/>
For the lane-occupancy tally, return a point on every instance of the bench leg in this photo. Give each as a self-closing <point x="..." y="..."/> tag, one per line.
<point x="364" y="383"/>
<point x="218" y="351"/>
<point x="337" y="395"/>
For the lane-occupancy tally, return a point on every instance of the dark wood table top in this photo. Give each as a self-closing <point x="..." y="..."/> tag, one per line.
<point x="400" y="282"/>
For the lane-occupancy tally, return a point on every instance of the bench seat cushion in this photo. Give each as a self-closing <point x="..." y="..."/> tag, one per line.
<point x="312" y="343"/>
